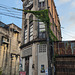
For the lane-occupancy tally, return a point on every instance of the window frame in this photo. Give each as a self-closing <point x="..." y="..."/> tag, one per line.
<point x="30" y="27"/>
<point x="41" y="34"/>
<point x="25" y="32"/>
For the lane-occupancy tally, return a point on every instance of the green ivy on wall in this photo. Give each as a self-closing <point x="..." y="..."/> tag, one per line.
<point x="0" y="71"/>
<point x="43" y="16"/>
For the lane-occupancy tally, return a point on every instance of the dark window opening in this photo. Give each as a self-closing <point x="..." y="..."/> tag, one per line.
<point x="42" y="4"/>
<point x="25" y="34"/>
<point x="42" y="31"/>
<point x="30" y="27"/>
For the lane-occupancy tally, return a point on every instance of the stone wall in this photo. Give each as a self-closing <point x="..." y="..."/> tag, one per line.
<point x="10" y="66"/>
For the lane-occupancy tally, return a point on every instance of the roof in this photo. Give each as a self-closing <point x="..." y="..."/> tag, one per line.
<point x="2" y="24"/>
<point x="14" y="25"/>
<point x="6" y="26"/>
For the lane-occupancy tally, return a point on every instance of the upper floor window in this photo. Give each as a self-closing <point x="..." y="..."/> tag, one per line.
<point x="42" y="31"/>
<point x="30" y="27"/>
<point x="41" y="3"/>
<point x="5" y="40"/>
<point x="25" y="34"/>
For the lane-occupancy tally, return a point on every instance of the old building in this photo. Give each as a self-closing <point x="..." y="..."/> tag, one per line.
<point x="34" y="40"/>
<point x="10" y="40"/>
<point x="64" y="57"/>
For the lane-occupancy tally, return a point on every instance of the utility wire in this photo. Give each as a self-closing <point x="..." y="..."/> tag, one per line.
<point x="68" y="35"/>
<point x="9" y="10"/>
<point x="71" y="32"/>
<point x="6" y="8"/>
<point x="11" y="13"/>
<point x="15" y="16"/>
<point x="11" y="16"/>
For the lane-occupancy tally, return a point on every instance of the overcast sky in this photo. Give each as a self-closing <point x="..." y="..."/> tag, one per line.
<point x="65" y="9"/>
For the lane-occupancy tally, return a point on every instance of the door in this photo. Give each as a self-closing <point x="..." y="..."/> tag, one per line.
<point x="27" y="65"/>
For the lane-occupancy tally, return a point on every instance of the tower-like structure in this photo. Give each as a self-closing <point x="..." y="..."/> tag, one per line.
<point x="34" y="36"/>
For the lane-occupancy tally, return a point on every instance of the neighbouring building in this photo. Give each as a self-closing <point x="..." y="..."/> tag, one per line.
<point x="34" y="40"/>
<point x="64" y="48"/>
<point x="10" y="40"/>
<point x="64" y="52"/>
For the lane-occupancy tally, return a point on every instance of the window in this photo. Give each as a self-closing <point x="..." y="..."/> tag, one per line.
<point x="42" y="31"/>
<point x="31" y="27"/>
<point x="41" y="3"/>
<point x="42" y="48"/>
<point x="4" y="40"/>
<point x="25" y="33"/>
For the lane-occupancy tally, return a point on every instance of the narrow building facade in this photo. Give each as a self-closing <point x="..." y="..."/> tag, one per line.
<point x="34" y="37"/>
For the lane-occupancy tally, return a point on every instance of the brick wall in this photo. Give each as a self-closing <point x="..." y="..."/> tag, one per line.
<point x="65" y="65"/>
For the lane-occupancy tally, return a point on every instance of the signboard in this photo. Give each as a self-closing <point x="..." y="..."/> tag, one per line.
<point x="22" y="73"/>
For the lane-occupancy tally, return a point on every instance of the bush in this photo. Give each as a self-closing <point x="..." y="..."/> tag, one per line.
<point x="0" y="71"/>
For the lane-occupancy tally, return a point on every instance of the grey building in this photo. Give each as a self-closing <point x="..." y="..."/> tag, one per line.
<point x="34" y="38"/>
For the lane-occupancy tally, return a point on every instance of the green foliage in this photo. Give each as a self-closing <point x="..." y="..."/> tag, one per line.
<point x="43" y="16"/>
<point x="0" y="71"/>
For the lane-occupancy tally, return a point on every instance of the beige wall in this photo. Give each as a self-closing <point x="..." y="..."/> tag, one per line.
<point x="13" y="47"/>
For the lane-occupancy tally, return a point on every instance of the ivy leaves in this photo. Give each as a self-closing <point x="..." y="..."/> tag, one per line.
<point x="43" y="16"/>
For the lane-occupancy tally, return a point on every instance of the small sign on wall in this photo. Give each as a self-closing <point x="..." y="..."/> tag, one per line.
<point x="46" y="71"/>
<point x="22" y="73"/>
<point x="42" y="69"/>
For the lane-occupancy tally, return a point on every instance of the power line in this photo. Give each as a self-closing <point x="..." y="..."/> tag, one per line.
<point x="68" y="35"/>
<point x="14" y="16"/>
<point x="11" y="16"/>
<point x="11" y="13"/>
<point x="8" y="10"/>
<point x="5" y="6"/>
<point x="71" y="32"/>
